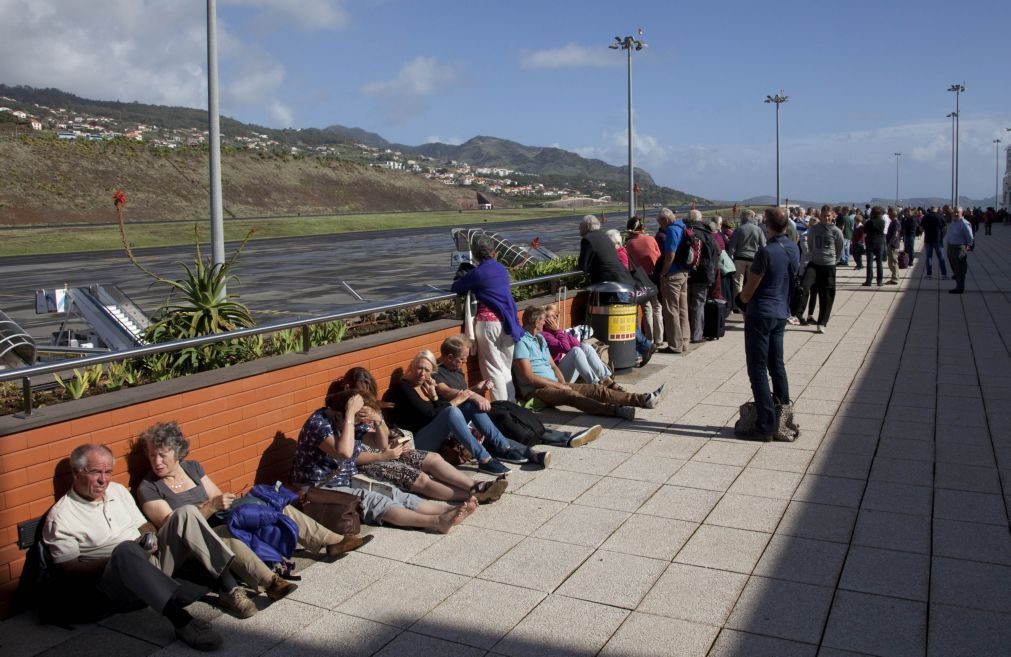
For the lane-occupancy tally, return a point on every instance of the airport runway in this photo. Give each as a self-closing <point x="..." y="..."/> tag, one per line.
<point x="282" y="278"/>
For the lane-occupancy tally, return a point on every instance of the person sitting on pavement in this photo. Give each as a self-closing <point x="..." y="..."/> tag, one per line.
<point x="575" y="359"/>
<point x="174" y="482"/>
<point x="97" y="535"/>
<point x="450" y="381"/>
<point x="325" y="454"/>
<point x="599" y="259"/>
<point x="418" y="408"/>
<point x="537" y="377"/>
<point x="390" y="457"/>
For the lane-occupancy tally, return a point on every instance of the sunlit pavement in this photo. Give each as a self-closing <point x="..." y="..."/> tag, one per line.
<point x="883" y="530"/>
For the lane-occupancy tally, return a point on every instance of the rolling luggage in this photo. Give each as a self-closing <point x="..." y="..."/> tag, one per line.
<point x="903" y="259"/>
<point x="715" y="319"/>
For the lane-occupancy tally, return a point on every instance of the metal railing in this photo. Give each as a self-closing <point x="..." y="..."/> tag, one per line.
<point x="25" y="374"/>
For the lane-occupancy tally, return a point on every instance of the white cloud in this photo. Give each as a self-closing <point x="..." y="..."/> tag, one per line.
<point x="148" y="50"/>
<point x="282" y="114"/>
<point x="436" y="139"/>
<point x="308" y="14"/>
<point x="569" y="56"/>
<point x="422" y="77"/>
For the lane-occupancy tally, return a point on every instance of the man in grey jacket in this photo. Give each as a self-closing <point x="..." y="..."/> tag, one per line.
<point x="744" y="243"/>
<point x="824" y="245"/>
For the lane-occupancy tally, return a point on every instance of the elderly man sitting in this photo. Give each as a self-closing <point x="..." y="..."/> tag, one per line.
<point x="539" y="378"/>
<point x="97" y="536"/>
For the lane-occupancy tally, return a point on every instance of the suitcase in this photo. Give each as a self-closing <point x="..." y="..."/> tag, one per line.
<point x="903" y="259"/>
<point x="715" y="319"/>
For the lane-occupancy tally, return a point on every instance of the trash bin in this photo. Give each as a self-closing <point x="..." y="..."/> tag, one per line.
<point x="613" y="321"/>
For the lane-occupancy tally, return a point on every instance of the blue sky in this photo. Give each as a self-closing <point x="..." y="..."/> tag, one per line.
<point x="865" y="79"/>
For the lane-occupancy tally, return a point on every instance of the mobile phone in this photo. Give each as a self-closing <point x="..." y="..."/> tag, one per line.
<point x="401" y="440"/>
<point x="148" y="541"/>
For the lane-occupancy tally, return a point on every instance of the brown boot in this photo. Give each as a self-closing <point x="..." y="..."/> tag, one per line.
<point x="348" y="544"/>
<point x="279" y="588"/>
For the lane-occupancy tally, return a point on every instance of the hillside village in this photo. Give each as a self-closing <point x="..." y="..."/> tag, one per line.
<point x="65" y="124"/>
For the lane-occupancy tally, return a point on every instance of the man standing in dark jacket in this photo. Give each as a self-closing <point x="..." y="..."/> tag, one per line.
<point x="874" y="238"/>
<point x="599" y="259"/>
<point x="933" y="234"/>
<point x="702" y="277"/>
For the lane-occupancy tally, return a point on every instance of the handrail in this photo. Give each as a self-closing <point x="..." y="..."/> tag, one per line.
<point x="25" y="373"/>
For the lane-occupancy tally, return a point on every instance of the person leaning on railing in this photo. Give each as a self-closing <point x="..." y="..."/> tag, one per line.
<point x="174" y="482"/>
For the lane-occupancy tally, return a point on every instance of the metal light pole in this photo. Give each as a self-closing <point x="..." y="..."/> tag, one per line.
<point x="629" y="44"/>
<point x="958" y="89"/>
<point x="897" y="181"/>
<point x="214" y="137"/>
<point x="952" y="116"/>
<point x="778" y="99"/>
<point x="996" y="174"/>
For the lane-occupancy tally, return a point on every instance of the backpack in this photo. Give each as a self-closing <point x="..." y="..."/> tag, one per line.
<point x="689" y="251"/>
<point x="516" y="422"/>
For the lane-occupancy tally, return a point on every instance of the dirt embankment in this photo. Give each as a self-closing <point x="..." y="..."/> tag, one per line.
<point x="45" y="181"/>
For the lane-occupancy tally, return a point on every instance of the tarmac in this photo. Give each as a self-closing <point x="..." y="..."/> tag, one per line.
<point x="883" y="530"/>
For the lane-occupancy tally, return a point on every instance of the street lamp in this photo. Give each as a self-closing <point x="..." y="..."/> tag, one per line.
<point x="897" y="180"/>
<point x="958" y="89"/>
<point x="629" y="44"/>
<point x="778" y="99"/>
<point x="952" y="116"/>
<point x="996" y="174"/>
<point x="214" y="139"/>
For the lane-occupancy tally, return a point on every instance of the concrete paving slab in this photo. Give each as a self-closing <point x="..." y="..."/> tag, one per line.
<point x="802" y="560"/>
<point x="967" y="477"/>
<point x="959" y="632"/>
<point x="887" y="572"/>
<point x="650" y="536"/>
<point x="562" y="627"/>
<point x="467" y="550"/>
<point x="618" y="494"/>
<point x="466" y="615"/>
<point x="330" y="634"/>
<point x="515" y="513"/>
<point x="673" y="446"/>
<point x="772" y="456"/>
<point x="558" y="485"/>
<point x="899" y="498"/>
<point x="643" y="467"/>
<point x="969" y="507"/>
<point x="732" y="643"/>
<point x="765" y="483"/>
<point x="587" y="461"/>
<point x="683" y="503"/>
<point x="410" y="644"/>
<point x="877" y="625"/>
<point x="582" y="525"/>
<point x="761" y="514"/>
<point x="893" y="531"/>
<point x="818" y="521"/>
<point x="709" y="476"/>
<point x="355" y="572"/>
<point x="724" y="548"/>
<point x="831" y="463"/>
<point x="972" y="584"/>
<point x="973" y="541"/>
<point x="537" y="564"/>
<point x="645" y="636"/>
<point x="778" y="608"/>
<point x="612" y="578"/>
<point x="403" y="596"/>
<point x="98" y="641"/>
<point x="693" y="593"/>
<point x="902" y="471"/>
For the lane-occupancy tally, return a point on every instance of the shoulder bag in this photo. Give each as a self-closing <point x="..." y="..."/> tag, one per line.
<point x="336" y="510"/>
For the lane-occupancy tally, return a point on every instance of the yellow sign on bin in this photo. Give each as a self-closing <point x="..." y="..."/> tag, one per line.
<point x="620" y="321"/>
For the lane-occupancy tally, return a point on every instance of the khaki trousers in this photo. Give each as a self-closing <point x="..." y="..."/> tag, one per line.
<point x="674" y="291"/>
<point x="592" y="398"/>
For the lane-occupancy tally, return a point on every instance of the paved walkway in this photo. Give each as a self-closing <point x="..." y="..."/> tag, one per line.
<point x="882" y="531"/>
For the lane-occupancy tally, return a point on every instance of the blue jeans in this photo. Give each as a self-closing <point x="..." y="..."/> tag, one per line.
<point x="453" y="420"/>
<point x="844" y="258"/>
<point x="763" y="346"/>
<point x="929" y="250"/>
<point x="874" y="256"/>
<point x="583" y="361"/>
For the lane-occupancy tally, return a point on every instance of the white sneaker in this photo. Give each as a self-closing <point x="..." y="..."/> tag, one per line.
<point x="820" y="329"/>
<point x="585" y="436"/>
<point x="653" y="398"/>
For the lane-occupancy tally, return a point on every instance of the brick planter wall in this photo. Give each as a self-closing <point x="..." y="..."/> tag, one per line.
<point x="242" y="429"/>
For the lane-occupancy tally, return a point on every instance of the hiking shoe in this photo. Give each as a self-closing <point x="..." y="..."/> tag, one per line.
<point x="542" y="459"/>
<point x="653" y="398"/>
<point x="513" y="456"/>
<point x="491" y="466"/>
<point x="237" y="602"/>
<point x="199" y="635"/>
<point x="280" y="587"/>
<point x="625" y="412"/>
<point x="585" y="436"/>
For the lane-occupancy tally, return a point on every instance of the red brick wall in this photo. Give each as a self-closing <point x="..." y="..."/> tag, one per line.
<point x="242" y="431"/>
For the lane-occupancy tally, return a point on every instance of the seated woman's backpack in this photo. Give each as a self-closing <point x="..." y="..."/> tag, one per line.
<point x="516" y="422"/>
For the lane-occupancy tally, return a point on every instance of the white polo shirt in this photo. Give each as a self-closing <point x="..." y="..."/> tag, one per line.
<point x="76" y="527"/>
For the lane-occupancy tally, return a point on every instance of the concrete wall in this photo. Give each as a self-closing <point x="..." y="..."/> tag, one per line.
<point x="242" y="430"/>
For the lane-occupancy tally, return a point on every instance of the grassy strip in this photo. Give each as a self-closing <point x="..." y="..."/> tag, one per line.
<point x="71" y="239"/>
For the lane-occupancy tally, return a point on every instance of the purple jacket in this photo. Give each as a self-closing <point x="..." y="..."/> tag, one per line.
<point x="489" y="282"/>
<point x="559" y="342"/>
